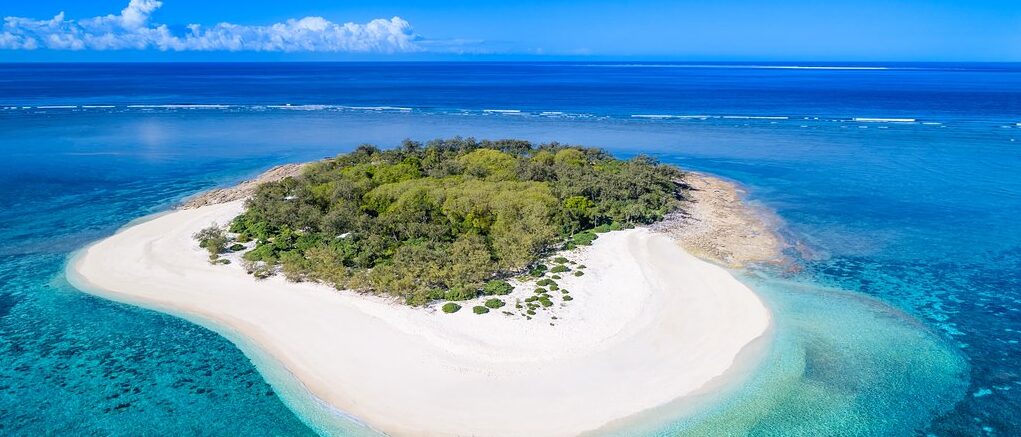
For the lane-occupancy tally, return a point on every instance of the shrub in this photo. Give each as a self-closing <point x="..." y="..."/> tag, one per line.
<point x="554" y="287"/>
<point x="494" y="303"/>
<point x="460" y="293"/>
<point x="544" y="282"/>
<point x="560" y="269"/>
<point x="538" y="270"/>
<point x="531" y="313"/>
<point x="258" y="269"/>
<point x="567" y="297"/>
<point x="213" y="239"/>
<point x="581" y="266"/>
<point x="584" y="238"/>
<point x="540" y="290"/>
<point x="478" y="309"/>
<point x="560" y="260"/>
<point x="236" y="247"/>
<point x="546" y="302"/>
<point x="497" y="287"/>
<point x="451" y="307"/>
<point x="555" y="277"/>
<point x="530" y="299"/>
<point x="578" y="273"/>
<point x="607" y="228"/>
<point x="564" y="291"/>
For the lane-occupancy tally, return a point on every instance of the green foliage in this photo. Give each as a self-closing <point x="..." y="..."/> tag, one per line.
<point x="480" y="309"/>
<point x="236" y="247"/>
<point x="560" y="260"/>
<point x="545" y="301"/>
<point x="559" y="269"/>
<point x="584" y="238"/>
<point x="494" y="303"/>
<point x="448" y="215"/>
<point x="460" y="293"/>
<point x="603" y="228"/>
<point x="567" y="297"/>
<point x="497" y="287"/>
<point x="213" y="239"/>
<point x="451" y="307"/>
<point x="544" y="282"/>
<point x="578" y="273"/>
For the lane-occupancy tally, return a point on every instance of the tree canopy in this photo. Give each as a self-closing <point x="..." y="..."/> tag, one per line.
<point x="440" y="220"/>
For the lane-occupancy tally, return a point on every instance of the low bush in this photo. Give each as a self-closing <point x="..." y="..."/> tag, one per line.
<point x="554" y="287"/>
<point x="531" y="298"/>
<point x="555" y="277"/>
<point x="546" y="302"/>
<point x="607" y="228"/>
<point x="578" y="273"/>
<point x="236" y="247"/>
<point x="478" y="309"/>
<point x="497" y="287"/>
<point x="560" y="260"/>
<point x="213" y="239"/>
<point x="559" y="269"/>
<point x="494" y="303"/>
<point x="541" y="290"/>
<point x="544" y="282"/>
<point x="538" y="270"/>
<point x="584" y="238"/>
<point x="567" y="297"/>
<point x="460" y="293"/>
<point x="451" y="307"/>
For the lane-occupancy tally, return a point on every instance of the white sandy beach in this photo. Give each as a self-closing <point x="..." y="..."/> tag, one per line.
<point x="650" y="323"/>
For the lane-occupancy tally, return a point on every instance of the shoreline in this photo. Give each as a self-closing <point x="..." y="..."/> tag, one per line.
<point x="475" y="371"/>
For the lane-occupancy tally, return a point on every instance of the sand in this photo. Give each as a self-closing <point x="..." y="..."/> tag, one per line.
<point x="649" y="324"/>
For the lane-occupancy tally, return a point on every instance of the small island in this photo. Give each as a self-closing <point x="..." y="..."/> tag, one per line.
<point x="461" y="286"/>
<point x="451" y="220"/>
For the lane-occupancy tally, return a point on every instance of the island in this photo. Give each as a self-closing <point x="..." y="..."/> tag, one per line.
<point x="463" y="287"/>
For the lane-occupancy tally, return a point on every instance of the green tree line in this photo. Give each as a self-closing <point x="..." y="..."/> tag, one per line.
<point x="440" y="220"/>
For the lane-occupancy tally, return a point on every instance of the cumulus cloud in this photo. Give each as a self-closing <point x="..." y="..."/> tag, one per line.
<point x="134" y="29"/>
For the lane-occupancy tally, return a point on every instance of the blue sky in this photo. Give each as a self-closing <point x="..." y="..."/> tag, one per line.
<point x="150" y="30"/>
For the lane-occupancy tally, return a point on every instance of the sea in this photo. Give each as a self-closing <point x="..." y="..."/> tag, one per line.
<point x="896" y="185"/>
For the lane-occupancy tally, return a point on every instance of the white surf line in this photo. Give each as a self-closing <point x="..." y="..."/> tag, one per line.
<point x="883" y="120"/>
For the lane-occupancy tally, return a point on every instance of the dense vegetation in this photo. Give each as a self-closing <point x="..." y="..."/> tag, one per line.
<point x="447" y="219"/>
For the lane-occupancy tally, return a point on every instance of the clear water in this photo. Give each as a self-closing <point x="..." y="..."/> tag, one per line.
<point x="903" y="317"/>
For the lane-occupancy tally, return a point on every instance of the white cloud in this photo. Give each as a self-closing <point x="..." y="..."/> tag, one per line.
<point x="133" y="29"/>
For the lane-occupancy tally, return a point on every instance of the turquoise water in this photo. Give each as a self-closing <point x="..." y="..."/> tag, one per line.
<point x="901" y="316"/>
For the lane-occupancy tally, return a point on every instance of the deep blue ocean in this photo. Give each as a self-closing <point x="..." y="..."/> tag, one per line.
<point x="898" y="185"/>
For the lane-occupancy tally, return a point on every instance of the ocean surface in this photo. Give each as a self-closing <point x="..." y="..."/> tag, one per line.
<point x="898" y="185"/>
